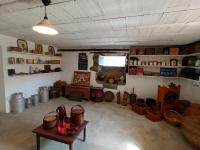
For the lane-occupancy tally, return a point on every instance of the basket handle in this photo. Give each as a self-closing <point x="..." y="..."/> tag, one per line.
<point x="79" y="107"/>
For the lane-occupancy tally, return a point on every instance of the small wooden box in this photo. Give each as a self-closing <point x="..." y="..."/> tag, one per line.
<point x="141" y="51"/>
<point x="133" y="51"/>
<point x="158" y="51"/>
<point x="140" y="71"/>
<point x="150" y="51"/>
<point x="174" y="51"/>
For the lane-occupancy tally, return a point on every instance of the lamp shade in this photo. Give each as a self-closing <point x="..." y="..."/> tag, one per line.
<point x="45" y="27"/>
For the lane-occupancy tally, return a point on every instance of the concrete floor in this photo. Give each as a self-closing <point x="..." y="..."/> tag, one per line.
<point x="111" y="127"/>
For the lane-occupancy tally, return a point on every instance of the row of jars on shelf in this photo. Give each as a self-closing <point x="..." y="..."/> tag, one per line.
<point x="13" y="60"/>
<point x="172" y="62"/>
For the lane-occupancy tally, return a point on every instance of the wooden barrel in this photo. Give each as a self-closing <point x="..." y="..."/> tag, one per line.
<point x="77" y="115"/>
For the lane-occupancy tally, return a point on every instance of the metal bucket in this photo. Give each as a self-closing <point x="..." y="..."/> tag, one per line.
<point x="35" y="100"/>
<point x="43" y="94"/>
<point x="28" y="103"/>
<point x="17" y="103"/>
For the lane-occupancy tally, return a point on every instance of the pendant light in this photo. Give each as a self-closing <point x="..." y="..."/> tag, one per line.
<point x="44" y="26"/>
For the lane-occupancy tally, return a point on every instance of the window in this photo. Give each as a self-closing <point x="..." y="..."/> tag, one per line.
<point x="112" y="61"/>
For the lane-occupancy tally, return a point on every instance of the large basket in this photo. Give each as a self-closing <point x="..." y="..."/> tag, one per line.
<point x="141" y="110"/>
<point x="172" y="117"/>
<point x="50" y="120"/>
<point x="191" y="129"/>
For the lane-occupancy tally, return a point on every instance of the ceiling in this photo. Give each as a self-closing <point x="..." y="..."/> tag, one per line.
<point x="104" y="23"/>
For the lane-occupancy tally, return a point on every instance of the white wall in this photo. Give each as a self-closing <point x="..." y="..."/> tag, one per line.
<point x="2" y="91"/>
<point x="27" y="84"/>
<point x="144" y="86"/>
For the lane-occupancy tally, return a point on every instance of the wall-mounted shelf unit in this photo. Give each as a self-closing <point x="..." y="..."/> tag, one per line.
<point x="26" y="63"/>
<point x="159" y="65"/>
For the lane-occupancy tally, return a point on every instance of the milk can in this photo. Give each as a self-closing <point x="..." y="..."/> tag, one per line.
<point x="28" y="103"/>
<point x="43" y="94"/>
<point x="35" y="100"/>
<point x="17" y="103"/>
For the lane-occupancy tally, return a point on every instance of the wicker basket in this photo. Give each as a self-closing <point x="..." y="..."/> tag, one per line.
<point x="153" y="115"/>
<point x="191" y="129"/>
<point x="172" y="117"/>
<point x="50" y="120"/>
<point x="141" y="110"/>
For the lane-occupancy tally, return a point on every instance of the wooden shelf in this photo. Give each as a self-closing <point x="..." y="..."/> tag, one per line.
<point x="192" y="54"/>
<point x="24" y="53"/>
<point x="18" y="75"/>
<point x="164" y="66"/>
<point x="155" y="76"/>
<point x="155" y="66"/>
<point x="191" y="67"/>
<point x="34" y="64"/>
<point x="172" y="77"/>
<point x="157" y="55"/>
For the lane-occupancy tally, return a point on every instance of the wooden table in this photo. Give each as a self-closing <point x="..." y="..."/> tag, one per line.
<point x="52" y="134"/>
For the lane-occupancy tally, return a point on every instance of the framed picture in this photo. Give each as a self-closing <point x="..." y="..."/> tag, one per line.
<point x="81" y="78"/>
<point x="51" y="50"/>
<point x="22" y="45"/>
<point x="39" y="48"/>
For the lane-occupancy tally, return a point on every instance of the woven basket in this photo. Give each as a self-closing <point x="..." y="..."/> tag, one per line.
<point x="141" y="110"/>
<point x="172" y="117"/>
<point x="191" y="130"/>
<point x="154" y="115"/>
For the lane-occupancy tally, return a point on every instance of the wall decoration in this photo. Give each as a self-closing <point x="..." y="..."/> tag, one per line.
<point x="22" y="44"/>
<point x="51" y="50"/>
<point x="39" y="48"/>
<point x="81" y="78"/>
<point x="83" y="61"/>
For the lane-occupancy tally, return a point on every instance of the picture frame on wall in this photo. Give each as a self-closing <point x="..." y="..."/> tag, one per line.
<point x="51" y="50"/>
<point x="83" y="61"/>
<point x="22" y="45"/>
<point x="39" y="48"/>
